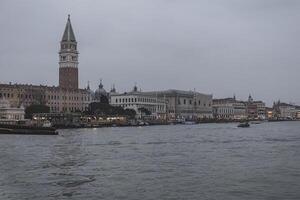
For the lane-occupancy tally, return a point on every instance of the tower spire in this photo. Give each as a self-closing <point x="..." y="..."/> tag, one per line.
<point x="88" y="86"/>
<point x="68" y="35"/>
<point x="100" y="85"/>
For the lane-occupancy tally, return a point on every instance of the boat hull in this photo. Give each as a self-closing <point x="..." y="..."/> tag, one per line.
<point x="27" y="130"/>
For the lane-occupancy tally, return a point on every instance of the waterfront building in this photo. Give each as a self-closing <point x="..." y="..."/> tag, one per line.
<point x="188" y="105"/>
<point x="297" y="112"/>
<point x="10" y="113"/>
<point x="223" y="111"/>
<point x="66" y="97"/>
<point x="239" y="110"/>
<point x="269" y="113"/>
<point x="229" y="108"/>
<point x="255" y="109"/>
<point x="140" y="101"/>
<point x="285" y="110"/>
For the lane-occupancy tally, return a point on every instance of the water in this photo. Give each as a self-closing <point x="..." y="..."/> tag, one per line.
<point x="206" y="161"/>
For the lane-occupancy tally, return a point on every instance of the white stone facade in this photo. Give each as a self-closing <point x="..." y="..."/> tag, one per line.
<point x="223" y="111"/>
<point x="185" y="104"/>
<point x="10" y="113"/>
<point x="137" y="100"/>
<point x="287" y="111"/>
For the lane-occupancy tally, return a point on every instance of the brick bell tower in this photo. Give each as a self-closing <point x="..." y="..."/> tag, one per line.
<point x="68" y="59"/>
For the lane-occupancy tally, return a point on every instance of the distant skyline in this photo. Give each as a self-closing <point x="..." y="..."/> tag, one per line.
<point x="217" y="47"/>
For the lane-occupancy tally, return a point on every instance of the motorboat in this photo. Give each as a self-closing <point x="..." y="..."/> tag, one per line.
<point x="244" y="125"/>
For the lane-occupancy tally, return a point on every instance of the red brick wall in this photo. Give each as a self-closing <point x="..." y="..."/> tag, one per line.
<point x="68" y="77"/>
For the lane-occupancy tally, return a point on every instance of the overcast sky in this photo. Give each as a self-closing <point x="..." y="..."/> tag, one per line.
<point x="221" y="47"/>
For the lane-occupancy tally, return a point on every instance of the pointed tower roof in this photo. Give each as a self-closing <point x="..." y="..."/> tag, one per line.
<point x="113" y="89"/>
<point x="88" y="86"/>
<point x="68" y="34"/>
<point x="100" y="85"/>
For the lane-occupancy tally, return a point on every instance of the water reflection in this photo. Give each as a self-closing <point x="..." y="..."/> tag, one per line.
<point x="68" y="165"/>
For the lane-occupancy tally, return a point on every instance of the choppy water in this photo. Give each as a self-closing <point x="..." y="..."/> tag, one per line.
<point x="206" y="161"/>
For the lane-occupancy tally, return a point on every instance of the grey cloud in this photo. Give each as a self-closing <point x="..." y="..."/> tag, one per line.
<point x="220" y="47"/>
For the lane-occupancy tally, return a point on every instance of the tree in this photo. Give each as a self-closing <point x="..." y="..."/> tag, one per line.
<point x="145" y="111"/>
<point x="104" y="99"/>
<point x="130" y="113"/>
<point x="36" y="108"/>
<point x="97" y="108"/>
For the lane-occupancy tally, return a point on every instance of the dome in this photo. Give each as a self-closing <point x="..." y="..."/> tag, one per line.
<point x="100" y="92"/>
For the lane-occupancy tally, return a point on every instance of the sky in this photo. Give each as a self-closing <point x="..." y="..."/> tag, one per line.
<point x="219" y="47"/>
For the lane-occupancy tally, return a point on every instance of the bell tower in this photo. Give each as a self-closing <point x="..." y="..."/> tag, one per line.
<point x="68" y="59"/>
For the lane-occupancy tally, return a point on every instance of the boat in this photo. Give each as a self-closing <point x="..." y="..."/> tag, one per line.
<point x="26" y="130"/>
<point x="255" y="122"/>
<point x="189" y="122"/>
<point x="244" y="125"/>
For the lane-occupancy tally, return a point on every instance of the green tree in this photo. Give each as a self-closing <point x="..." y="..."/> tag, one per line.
<point x="97" y="108"/>
<point x="145" y="111"/>
<point x="130" y="113"/>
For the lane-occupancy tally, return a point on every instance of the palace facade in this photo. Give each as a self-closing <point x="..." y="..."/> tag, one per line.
<point x="170" y="104"/>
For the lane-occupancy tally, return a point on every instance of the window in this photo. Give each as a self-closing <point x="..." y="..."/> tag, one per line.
<point x="184" y="101"/>
<point x="190" y="102"/>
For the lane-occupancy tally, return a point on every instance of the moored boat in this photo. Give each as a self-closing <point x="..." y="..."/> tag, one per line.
<point x="26" y="130"/>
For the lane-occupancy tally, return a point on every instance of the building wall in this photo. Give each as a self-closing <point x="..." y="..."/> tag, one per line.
<point x="10" y="113"/>
<point x="239" y="110"/>
<point x="58" y="99"/>
<point x="140" y="100"/>
<point x="68" y="77"/>
<point x="223" y="111"/>
<point x="186" y="104"/>
<point x="287" y="112"/>
<point x="229" y="108"/>
<point x="298" y="114"/>
<point x="229" y="111"/>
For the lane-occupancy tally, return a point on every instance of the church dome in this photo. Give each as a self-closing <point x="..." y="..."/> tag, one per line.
<point x="100" y="92"/>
